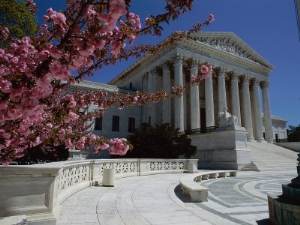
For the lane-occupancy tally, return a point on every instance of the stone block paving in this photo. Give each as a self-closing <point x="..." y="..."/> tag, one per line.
<point x="243" y="199"/>
<point x="157" y="200"/>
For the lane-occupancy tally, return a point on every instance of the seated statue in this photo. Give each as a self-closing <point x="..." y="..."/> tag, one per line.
<point x="226" y="119"/>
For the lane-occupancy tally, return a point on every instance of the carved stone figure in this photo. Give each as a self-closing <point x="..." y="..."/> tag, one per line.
<point x="226" y="119"/>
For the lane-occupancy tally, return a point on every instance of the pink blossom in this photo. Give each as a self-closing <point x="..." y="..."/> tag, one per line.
<point x="5" y="85"/>
<point x="68" y="143"/>
<point x="116" y="47"/>
<point x="80" y="143"/>
<point x="49" y="125"/>
<point x="73" y="116"/>
<point x="93" y="137"/>
<point x="37" y="141"/>
<point x="4" y="134"/>
<point x="88" y="51"/>
<point x="100" y="147"/>
<point x="58" y="18"/>
<point x="46" y="18"/>
<point x="204" y="69"/>
<point x="72" y="104"/>
<point x="14" y="114"/>
<point x="100" y="44"/>
<point x="61" y="134"/>
<point x="211" y="18"/>
<point x="119" y="146"/>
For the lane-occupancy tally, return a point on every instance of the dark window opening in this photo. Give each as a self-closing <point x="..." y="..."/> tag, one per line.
<point x="131" y="124"/>
<point x="115" y="123"/>
<point x="98" y="124"/>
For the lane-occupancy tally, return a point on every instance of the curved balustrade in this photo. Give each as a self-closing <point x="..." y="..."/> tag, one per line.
<point x="38" y="190"/>
<point x="197" y="193"/>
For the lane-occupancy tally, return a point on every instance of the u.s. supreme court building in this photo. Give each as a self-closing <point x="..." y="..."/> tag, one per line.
<point x="237" y="87"/>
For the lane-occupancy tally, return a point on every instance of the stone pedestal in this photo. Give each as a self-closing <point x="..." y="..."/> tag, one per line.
<point x="224" y="149"/>
<point x="285" y="209"/>
<point x="192" y="166"/>
<point x="108" y="177"/>
<point x="76" y="155"/>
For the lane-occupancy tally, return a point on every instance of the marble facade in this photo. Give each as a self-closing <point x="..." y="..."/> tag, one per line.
<point x="240" y="76"/>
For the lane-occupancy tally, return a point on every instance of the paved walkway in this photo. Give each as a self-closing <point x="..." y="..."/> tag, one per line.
<point x="157" y="199"/>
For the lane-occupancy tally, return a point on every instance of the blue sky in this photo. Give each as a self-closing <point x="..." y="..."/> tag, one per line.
<point x="268" y="26"/>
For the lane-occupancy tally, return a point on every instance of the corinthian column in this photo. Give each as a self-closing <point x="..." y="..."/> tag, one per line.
<point x="166" y="112"/>
<point x="235" y="99"/>
<point x="178" y="102"/>
<point x="145" y="89"/>
<point x="267" y="112"/>
<point x="152" y="89"/>
<point x="209" y="102"/>
<point x="195" y="104"/>
<point x="222" y="90"/>
<point x="247" y="108"/>
<point x="256" y="109"/>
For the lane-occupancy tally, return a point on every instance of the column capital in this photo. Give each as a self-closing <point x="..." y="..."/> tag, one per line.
<point x="145" y="76"/>
<point x="166" y="66"/>
<point x="222" y="71"/>
<point x="178" y="59"/>
<point x="235" y="76"/>
<point x="255" y="82"/>
<point x="154" y="71"/>
<point x="264" y="84"/>
<point x="195" y="63"/>
<point x="246" y="78"/>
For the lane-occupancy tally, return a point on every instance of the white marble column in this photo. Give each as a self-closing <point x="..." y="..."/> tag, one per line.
<point x="257" y="112"/>
<point x="222" y="90"/>
<point x="152" y="89"/>
<point x="209" y="102"/>
<point x="195" y="103"/>
<point x="145" y="108"/>
<point x="178" y="102"/>
<point x="235" y="98"/>
<point x="267" y="112"/>
<point x="166" y="111"/>
<point x="247" y="108"/>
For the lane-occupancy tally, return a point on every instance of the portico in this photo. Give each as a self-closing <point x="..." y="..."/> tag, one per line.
<point x="239" y="76"/>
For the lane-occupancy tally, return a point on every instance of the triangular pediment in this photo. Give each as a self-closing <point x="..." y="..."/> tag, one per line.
<point x="229" y="43"/>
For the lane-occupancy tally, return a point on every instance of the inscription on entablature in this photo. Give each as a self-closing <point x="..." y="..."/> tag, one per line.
<point x="238" y="65"/>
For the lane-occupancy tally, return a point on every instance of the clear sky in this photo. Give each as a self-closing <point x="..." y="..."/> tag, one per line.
<point x="269" y="27"/>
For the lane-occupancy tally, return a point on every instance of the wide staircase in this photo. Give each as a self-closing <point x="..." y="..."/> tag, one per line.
<point x="270" y="157"/>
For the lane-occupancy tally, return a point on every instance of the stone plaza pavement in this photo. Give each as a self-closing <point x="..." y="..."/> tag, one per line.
<point x="157" y="199"/>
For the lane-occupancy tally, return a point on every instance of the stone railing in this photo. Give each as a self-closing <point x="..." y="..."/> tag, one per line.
<point x="37" y="191"/>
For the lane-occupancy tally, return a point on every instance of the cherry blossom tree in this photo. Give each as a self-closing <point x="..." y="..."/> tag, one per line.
<point x="71" y="46"/>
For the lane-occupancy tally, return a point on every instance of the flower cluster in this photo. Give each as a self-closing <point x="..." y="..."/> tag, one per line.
<point x="119" y="146"/>
<point x="204" y="73"/>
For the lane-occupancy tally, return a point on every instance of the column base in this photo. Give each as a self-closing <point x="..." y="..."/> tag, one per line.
<point x="250" y="139"/>
<point x="261" y="140"/>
